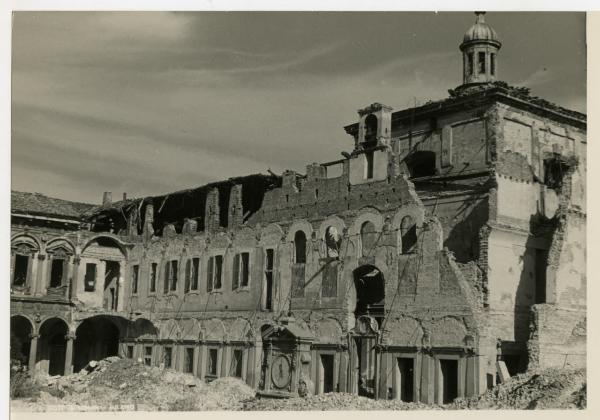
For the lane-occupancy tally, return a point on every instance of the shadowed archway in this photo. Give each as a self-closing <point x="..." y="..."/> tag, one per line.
<point x="96" y="338"/>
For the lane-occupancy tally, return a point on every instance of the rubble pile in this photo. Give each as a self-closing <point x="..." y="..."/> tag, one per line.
<point x="332" y="401"/>
<point x="115" y="383"/>
<point x="546" y="389"/>
<point x="123" y="384"/>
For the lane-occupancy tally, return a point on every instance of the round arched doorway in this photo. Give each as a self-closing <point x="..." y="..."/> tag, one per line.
<point x="53" y="340"/>
<point x="20" y="339"/>
<point x="96" y="338"/>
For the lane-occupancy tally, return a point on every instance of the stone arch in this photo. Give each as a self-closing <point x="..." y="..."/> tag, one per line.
<point x="367" y="214"/>
<point x="21" y="330"/>
<point x="143" y="328"/>
<point x="190" y="329"/>
<point x="447" y="332"/>
<point x="272" y="234"/>
<point x="96" y="337"/>
<point x="52" y="351"/>
<point x="240" y="330"/>
<point x="302" y="225"/>
<point x="169" y="330"/>
<point x="213" y="330"/>
<point x="403" y="331"/>
<point x="108" y="239"/>
<point x="60" y="244"/>
<point x="408" y="235"/>
<point x="328" y="331"/>
<point x="27" y="239"/>
<point x="60" y="317"/>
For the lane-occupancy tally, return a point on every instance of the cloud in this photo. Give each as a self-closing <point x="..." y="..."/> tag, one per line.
<point x="541" y="76"/>
<point x="153" y="102"/>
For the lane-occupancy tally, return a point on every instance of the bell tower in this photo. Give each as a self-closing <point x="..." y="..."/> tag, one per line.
<point x="480" y="48"/>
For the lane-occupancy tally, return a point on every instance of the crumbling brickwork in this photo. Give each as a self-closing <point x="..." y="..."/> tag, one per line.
<point x="448" y="239"/>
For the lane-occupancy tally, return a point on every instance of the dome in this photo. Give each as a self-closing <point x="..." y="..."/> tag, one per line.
<point x="481" y="31"/>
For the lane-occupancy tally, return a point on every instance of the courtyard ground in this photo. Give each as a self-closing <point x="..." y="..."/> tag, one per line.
<point x="115" y="384"/>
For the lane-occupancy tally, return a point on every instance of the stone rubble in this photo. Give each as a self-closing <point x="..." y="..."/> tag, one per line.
<point x="115" y="384"/>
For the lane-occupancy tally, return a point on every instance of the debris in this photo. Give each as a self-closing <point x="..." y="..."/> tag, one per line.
<point x="545" y="389"/>
<point x="117" y="384"/>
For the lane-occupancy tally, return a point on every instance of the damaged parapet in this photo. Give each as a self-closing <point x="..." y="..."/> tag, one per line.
<point x="235" y="214"/>
<point x="212" y="212"/>
<point x="148" y="221"/>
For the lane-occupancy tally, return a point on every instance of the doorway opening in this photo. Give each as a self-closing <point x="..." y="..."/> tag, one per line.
<point x="53" y="337"/>
<point x="449" y="380"/>
<point x="405" y="381"/>
<point x="326" y="377"/>
<point x="20" y="339"/>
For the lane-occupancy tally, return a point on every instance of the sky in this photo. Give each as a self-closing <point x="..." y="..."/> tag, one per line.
<point x="152" y="102"/>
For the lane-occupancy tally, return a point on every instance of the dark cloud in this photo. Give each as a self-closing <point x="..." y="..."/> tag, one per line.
<point x="155" y="101"/>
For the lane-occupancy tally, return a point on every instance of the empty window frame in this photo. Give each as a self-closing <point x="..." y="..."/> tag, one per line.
<point x="191" y="274"/>
<point x="368" y="238"/>
<point x="371" y="124"/>
<point x="408" y="232"/>
<point x="91" y="273"/>
<point x="148" y="355"/>
<point x="333" y="242"/>
<point x="235" y="368"/>
<point x="492" y="64"/>
<point x="481" y="62"/>
<point x="153" y="269"/>
<point x="20" y="270"/>
<point x="129" y="351"/>
<point x="170" y="276"/>
<point x="268" y="293"/>
<point x="470" y="64"/>
<point x="57" y="271"/>
<point x="188" y="360"/>
<point x="213" y="356"/>
<point x="300" y="247"/>
<point x="195" y="273"/>
<point x="214" y="273"/>
<point x="168" y="357"/>
<point x="188" y="276"/>
<point x="241" y="271"/>
<point x="135" y="272"/>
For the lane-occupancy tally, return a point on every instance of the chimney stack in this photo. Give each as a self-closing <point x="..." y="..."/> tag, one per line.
<point x="107" y="198"/>
<point x="124" y="196"/>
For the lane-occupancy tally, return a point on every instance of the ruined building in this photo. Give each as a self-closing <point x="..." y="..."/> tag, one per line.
<point x="446" y="251"/>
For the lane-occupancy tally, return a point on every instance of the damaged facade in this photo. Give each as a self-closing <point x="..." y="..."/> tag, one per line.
<point x="446" y="251"/>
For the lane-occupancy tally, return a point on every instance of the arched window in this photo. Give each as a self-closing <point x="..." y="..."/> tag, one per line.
<point x="370" y="128"/>
<point x="300" y="247"/>
<point x="408" y="231"/>
<point x="421" y="163"/>
<point x="333" y="241"/>
<point x="368" y="237"/>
